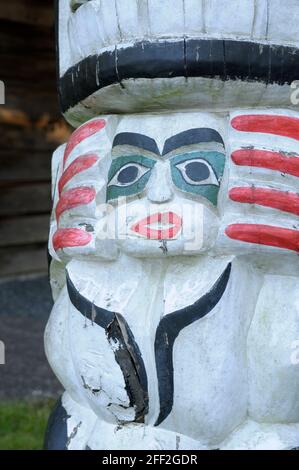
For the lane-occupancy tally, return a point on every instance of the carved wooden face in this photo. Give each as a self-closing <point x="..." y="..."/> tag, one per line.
<point x="164" y="182"/>
<point x="179" y="183"/>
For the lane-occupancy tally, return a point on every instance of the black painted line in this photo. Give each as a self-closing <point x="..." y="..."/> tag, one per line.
<point x="56" y="436"/>
<point x="136" y="140"/>
<point x="127" y="354"/>
<point x="191" y="137"/>
<point x="207" y="58"/>
<point x="185" y="138"/>
<point x="168" y="330"/>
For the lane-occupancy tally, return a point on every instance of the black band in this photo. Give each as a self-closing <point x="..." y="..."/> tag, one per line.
<point x="167" y="332"/>
<point x="56" y="437"/>
<point x="127" y="355"/>
<point x="207" y="58"/>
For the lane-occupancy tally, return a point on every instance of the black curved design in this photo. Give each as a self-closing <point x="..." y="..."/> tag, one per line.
<point x="207" y="58"/>
<point x="183" y="139"/>
<point x="167" y="332"/>
<point x="56" y="437"/>
<point x="127" y="355"/>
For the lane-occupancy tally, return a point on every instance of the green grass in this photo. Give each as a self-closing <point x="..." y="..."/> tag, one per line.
<point x="23" y="424"/>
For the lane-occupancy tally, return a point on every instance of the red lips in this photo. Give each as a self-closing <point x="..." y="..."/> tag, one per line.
<point x="170" y="220"/>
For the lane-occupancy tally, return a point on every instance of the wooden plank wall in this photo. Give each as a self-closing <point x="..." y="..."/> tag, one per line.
<point x="30" y="129"/>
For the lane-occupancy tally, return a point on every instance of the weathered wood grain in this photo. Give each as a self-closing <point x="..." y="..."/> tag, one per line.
<point x="27" y="166"/>
<point x="33" y="12"/>
<point x="22" y="260"/>
<point x="25" y="199"/>
<point x="30" y="130"/>
<point x="24" y="230"/>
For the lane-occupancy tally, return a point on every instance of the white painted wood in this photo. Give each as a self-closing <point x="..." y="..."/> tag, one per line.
<point x="274" y="396"/>
<point x="263" y="436"/>
<point x="65" y="54"/>
<point x="235" y="370"/>
<point x="90" y="29"/>
<point x="283" y="21"/>
<point x="229" y="19"/>
<point x="130" y="21"/>
<point x="260" y="19"/>
<point x="235" y="378"/>
<point x="166" y="18"/>
<point x="99" y="25"/>
<point x="194" y="17"/>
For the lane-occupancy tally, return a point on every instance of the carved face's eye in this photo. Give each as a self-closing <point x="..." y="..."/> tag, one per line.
<point x="197" y="172"/>
<point x="128" y="174"/>
<point x="75" y="4"/>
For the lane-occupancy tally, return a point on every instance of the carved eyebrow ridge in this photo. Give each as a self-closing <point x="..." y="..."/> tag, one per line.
<point x="136" y="140"/>
<point x="185" y="138"/>
<point x="190" y="137"/>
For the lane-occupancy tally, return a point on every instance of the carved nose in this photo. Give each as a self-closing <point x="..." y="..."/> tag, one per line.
<point x="160" y="184"/>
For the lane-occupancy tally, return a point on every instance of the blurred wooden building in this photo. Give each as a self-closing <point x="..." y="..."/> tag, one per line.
<point x="30" y="129"/>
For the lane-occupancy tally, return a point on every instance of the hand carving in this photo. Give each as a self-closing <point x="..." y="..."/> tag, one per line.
<point x="261" y="211"/>
<point x="79" y="186"/>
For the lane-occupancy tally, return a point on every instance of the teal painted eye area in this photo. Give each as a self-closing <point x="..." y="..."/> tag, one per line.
<point x="128" y="175"/>
<point x="199" y="173"/>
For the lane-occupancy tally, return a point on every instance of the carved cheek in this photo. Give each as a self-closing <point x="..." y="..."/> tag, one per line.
<point x="201" y="226"/>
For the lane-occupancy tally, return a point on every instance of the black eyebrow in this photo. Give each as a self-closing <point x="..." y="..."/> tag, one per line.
<point x="192" y="136"/>
<point x="136" y="140"/>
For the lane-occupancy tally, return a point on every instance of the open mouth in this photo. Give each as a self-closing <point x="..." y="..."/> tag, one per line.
<point x="159" y="226"/>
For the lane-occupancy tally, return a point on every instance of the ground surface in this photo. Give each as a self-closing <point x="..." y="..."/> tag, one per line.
<point x="24" y="309"/>
<point x="28" y="388"/>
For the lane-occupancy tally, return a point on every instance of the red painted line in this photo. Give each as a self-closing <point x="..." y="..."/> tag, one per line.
<point x="265" y="235"/>
<point x="70" y="237"/>
<point x="282" y="200"/>
<point x="285" y="126"/>
<point x="73" y="198"/>
<point x="82" y="133"/>
<point x="267" y="159"/>
<point x="81" y="163"/>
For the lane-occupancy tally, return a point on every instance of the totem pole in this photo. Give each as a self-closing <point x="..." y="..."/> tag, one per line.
<point x="174" y="235"/>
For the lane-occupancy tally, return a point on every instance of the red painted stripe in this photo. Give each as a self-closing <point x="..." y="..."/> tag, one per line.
<point x="264" y="235"/>
<point x="87" y="130"/>
<point x="70" y="237"/>
<point x="77" y="166"/>
<point x="73" y="198"/>
<point x="267" y="159"/>
<point x="285" y="126"/>
<point x="284" y="201"/>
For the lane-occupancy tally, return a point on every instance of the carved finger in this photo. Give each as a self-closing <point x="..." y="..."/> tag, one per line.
<point x="262" y="203"/>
